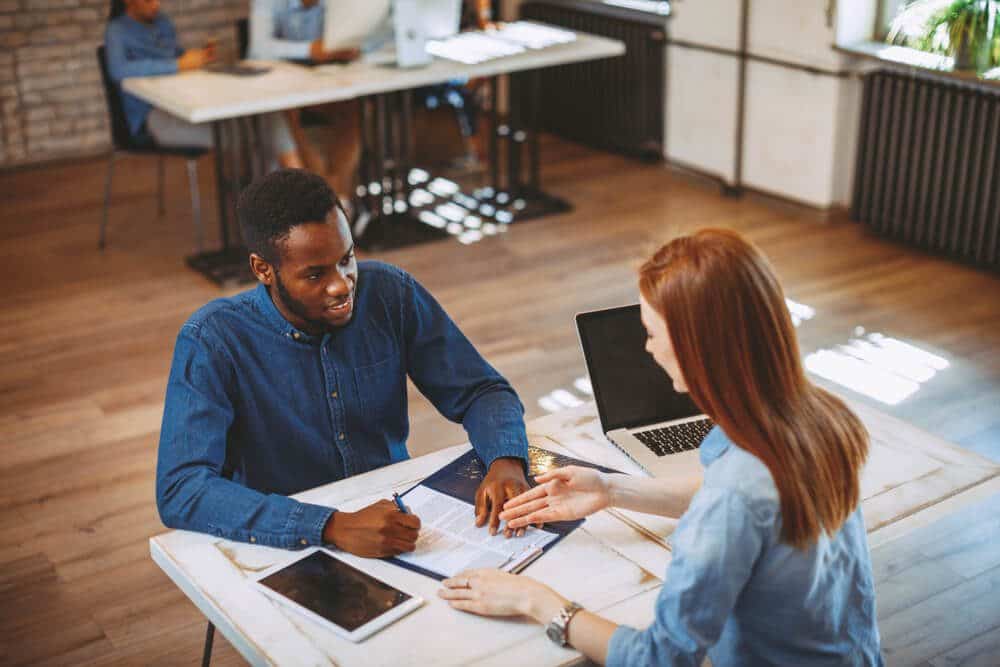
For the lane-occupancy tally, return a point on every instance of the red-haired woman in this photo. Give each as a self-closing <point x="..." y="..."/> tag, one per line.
<point x="770" y="559"/>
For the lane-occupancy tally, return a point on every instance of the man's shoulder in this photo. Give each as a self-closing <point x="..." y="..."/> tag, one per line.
<point x="116" y="26"/>
<point x="163" y="20"/>
<point x="219" y="314"/>
<point x="382" y="272"/>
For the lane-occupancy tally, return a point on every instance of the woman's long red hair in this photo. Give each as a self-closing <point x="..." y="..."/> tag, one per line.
<point x="737" y="349"/>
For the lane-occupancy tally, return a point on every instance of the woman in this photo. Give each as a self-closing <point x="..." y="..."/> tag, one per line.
<point x="770" y="559"/>
<point x="140" y="40"/>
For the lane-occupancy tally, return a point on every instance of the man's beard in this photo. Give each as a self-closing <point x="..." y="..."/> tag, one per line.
<point x="296" y="307"/>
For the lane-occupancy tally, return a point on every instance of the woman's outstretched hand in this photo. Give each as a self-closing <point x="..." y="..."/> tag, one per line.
<point x="562" y="494"/>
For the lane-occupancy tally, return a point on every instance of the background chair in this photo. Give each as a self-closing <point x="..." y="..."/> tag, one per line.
<point x="125" y="143"/>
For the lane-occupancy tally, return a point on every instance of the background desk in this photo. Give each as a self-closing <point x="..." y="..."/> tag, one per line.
<point x="202" y="96"/>
<point x="911" y="478"/>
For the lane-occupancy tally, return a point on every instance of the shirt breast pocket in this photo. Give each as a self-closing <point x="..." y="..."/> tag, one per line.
<point x="381" y="389"/>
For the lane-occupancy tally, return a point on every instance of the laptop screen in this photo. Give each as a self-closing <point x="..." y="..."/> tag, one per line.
<point x="630" y="389"/>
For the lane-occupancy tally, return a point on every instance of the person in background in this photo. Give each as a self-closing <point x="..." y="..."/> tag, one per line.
<point x="770" y="558"/>
<point x="140" y="40"/>
<point x="293" y="30"/>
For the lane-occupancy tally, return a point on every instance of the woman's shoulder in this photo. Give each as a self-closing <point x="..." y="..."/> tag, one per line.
<point x="737" y="471"/>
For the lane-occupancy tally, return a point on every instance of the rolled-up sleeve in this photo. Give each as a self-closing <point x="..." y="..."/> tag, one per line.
<point x="451" y="373"/>
<point x="715" y="547"/>
<point x="191" y="491"/>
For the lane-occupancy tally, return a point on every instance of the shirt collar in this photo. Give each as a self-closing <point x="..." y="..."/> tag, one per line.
<point x="713" y="446"/>
<point x="262" y="300"/>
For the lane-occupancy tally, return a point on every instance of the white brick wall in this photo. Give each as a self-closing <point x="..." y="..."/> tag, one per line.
<point x="51" y="100"/>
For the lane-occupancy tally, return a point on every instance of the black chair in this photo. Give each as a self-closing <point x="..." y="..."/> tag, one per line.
<point x="242" y="37"/>
<point x="125" y="143"/>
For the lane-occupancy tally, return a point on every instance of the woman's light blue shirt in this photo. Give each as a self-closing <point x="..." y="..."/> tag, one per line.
<point x="735" y="591"/>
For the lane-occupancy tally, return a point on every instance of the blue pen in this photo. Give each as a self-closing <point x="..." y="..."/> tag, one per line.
<point x="399" y="503"/>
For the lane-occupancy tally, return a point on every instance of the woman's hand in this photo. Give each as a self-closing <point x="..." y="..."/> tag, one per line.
<point x="562" y="494"/>
<point x="494" y="593"/>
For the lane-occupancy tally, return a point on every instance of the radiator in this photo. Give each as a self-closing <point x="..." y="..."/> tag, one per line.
<point x="928" y="170"/>
<point x="616" y="103"/>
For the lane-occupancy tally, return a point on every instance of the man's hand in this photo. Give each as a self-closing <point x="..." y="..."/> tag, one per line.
<point x="374" y="531"/>
<point x="318" y="54"/>
<point x="504" y="480"/>
<point x="195" y="59"/>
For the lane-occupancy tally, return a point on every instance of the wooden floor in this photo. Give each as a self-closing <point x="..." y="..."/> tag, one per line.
<point x="86" y="341"/>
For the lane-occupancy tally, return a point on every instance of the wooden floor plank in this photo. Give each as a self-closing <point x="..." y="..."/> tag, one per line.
<point x="981" y="651"/>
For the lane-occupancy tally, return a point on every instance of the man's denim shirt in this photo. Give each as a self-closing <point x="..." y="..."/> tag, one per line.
<point x="736" y="591"/>
<point x="257" y="410"/>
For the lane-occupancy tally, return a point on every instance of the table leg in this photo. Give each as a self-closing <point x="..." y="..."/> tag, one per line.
<point x="206" y="656"/>
<point x="494" y="132"/>
<point x="406" y="153"/>
<point x="515" y="136"/>
<point x="220" y="183"/>
<point x="534" y="152"/>
<point x="228" y="263"/>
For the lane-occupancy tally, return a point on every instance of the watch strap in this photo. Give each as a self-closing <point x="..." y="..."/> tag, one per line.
<point x="558" y="627"/>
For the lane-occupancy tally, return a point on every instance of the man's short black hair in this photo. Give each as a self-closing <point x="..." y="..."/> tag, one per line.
<point x="271" y="206"/>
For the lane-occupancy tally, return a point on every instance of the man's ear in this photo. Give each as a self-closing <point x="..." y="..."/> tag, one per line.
<point x="262" y="269"/>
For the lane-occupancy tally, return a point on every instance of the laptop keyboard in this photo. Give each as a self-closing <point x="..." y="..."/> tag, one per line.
<point x="676" y="438"/>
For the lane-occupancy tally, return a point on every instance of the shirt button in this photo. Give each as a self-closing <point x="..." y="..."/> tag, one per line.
<point x="296" y="335"/>
<point x="334" y="394"/>
<point x="253" y="539"/>
<point x="303" y="542"/>
<point x="341" y="436"/>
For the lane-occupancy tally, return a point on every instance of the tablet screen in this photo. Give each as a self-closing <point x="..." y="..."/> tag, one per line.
<point x="334" y="590"/>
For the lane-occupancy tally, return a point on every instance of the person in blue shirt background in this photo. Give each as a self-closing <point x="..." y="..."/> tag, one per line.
<point x="302" y="381"/>
<point x="770" y="562"/>
<point x="293" y="30"/>
<point x="140" y="40"/>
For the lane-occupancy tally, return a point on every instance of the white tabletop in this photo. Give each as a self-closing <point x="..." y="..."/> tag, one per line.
<point x="200" y="96"/>
<point x="613" y="564"/>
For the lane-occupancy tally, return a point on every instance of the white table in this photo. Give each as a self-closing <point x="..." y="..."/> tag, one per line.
<point x="613" y="564"/>
<point x="228" y="101"/>
<point x="203" y="96"/>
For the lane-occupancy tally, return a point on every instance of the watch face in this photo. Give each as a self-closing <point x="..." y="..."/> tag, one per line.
<point x="554" y="633"/>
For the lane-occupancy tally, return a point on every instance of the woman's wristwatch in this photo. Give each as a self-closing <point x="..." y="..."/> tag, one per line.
<point x="557" y="628"/>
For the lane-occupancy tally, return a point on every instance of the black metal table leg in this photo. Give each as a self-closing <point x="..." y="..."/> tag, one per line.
<point x="229" y="263"/>
<point x="206" y="656"/>
<point x="494" y="133"/>
<point x="534" y="152"/>
<point x="220" y="182"/>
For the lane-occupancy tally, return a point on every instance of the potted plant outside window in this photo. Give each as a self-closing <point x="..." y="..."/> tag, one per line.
<point x="967" y="30"/>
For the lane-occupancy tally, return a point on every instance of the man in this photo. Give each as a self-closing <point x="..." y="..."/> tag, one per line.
<point x="302" y="381"/>
<point x="140" y="40"/>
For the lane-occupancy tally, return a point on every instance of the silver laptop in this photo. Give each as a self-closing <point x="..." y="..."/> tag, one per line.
<point x="416" y="21"/>
<point x="641" y="413"/>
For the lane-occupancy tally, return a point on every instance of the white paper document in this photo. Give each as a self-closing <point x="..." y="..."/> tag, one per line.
<point x="450" y="542"/>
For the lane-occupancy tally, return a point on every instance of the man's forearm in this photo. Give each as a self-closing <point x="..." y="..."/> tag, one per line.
<point x="495" y="424"/>
<point x="210" y="504"/>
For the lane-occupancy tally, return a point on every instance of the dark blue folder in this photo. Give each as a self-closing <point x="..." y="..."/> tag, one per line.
<point x="461" y="478"/>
